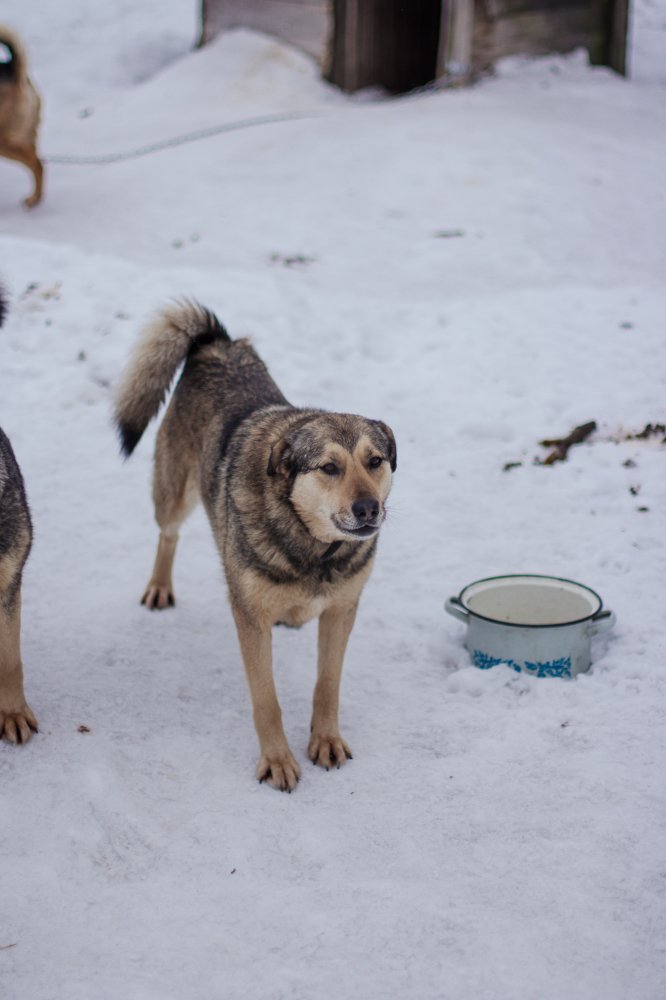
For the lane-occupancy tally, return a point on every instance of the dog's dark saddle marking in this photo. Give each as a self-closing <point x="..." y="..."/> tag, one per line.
<point x="231" y="426"/>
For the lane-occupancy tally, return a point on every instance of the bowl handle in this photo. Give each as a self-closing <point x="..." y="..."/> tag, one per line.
<point x="454" y="607"/>
<point x="602" y="622"/>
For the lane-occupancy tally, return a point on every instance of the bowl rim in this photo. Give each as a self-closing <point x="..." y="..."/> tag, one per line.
<point x="531" y="576"/>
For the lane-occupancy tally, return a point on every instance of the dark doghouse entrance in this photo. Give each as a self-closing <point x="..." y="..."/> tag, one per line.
<point x="385" y="43"/>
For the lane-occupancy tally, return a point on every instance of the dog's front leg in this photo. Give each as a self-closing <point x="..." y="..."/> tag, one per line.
<point x="277" y="764"/>
<point x="326" y="747"/>
<point x="17" y="722"/>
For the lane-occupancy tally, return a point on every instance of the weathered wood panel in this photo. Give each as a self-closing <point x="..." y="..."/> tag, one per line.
<point x="455" y="56"/>
<point x="525" y="29"/>
<point x="303" y="23"/>
<point x="482" y="31"/>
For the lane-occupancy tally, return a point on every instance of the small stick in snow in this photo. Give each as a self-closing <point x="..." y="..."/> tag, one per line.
<point x="650" y="430"/>
<point x="561" y="445"/>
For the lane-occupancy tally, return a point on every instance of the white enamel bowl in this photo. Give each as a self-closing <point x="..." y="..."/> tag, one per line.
<point x="542" y="625"/>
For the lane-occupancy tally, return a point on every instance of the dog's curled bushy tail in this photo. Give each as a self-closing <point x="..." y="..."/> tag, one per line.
<point x="162" y="348"/>
<point x="16" y="68"/>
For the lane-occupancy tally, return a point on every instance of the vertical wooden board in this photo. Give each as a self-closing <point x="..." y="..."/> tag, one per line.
<point x="618" y="30"/>
<point x="455" y="40"/>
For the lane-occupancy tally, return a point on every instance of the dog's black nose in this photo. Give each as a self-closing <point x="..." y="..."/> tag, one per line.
<point x="366" y="509"/>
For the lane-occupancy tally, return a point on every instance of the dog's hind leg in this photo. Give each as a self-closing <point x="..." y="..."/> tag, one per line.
<point x="27" y="155"/>
<point x="34" y="163"/>
<point x="175" y="494"/>
<point x="17" y="722"/>
<point x="159" y="590"/>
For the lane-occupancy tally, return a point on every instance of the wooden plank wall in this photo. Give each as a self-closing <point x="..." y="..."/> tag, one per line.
<point x="507" y="27"/>
<point x="482" y="31"/>
<point x="306" y="24"/>
<point x="404" y="44"/>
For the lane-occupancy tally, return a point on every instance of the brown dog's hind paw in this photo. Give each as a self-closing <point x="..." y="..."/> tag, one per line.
<point x="158" y="598"/>
<point x="280" y="771"/>
<point x="17" y="727"/>
<point x="328" y="751"/>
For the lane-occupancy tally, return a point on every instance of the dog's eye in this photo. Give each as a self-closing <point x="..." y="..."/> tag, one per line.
<point x="330" y="469"/>
<point x="375" y="462"/>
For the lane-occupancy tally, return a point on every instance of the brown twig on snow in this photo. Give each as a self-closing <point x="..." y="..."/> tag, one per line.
<point x="650" y="430"/>
<point x="561" y="445"/>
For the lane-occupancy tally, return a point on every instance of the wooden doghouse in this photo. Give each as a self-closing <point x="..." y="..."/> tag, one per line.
<point x="404" y="45"/>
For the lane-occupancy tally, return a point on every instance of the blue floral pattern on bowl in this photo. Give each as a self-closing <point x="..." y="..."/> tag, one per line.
<point x="551" y="668"/>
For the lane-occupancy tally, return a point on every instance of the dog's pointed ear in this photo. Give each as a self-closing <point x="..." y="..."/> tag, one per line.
<point x="278" y="459"/>
<point x="392" y="447"/>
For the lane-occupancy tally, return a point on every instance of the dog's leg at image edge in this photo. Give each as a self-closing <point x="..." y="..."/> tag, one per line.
<point x="277" y="764"/>
<point x="28" y="157"/>
<point x="326" y="746"/>
<point x="17" y="722"/>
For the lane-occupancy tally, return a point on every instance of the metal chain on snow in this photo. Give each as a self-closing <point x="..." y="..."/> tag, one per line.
<point x="181" y="140"/>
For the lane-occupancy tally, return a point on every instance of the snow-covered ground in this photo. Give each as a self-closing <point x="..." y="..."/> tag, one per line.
<point x="481" y="269"/>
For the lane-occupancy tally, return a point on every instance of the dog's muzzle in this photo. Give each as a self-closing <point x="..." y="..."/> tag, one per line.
<point x="366" y="518"/>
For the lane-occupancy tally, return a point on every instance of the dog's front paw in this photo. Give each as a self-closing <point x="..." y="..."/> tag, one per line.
<point x="279" y="769"/>
<point x="17" y="726"/>
<point x="156" y="598"/>
<point x="328" y="750"/>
